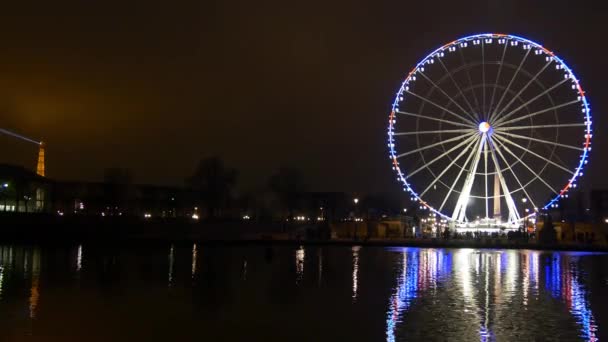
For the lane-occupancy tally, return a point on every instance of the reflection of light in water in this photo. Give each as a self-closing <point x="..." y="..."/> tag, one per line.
<point x="530" y="275"/>
<point x="320" y="260"/>
<point x="25" y="263"/>
<point x="466" y="270"/>
<point x="553" y="274"/>
<point x="419" y="271"/>
<point x="1" y="280"/>
<point x="171" y="260"/>
<point x="484" y="332"/>
<point x="299" y="264"/>
<point x="79" y="258"/>
<point x="244" y="269"/>
<point x="581" y="309"/>
<point x="526" y="278"/>
<point x="463" y="266"/>
<point x="194" y="254"/>
<point x="532" y="260"/>
<point x="511" y="273"/>
<point x="497" y="277"/>
<point x="428" y="269"/>
<point x="405" y="291"/>
<point x="34" y="293"/>
<point x="355" y="271"/>
<point x="565" y="283"/>
<point x="534" y="270"/>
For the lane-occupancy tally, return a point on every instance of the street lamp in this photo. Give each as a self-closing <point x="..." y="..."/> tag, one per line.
<point x="356" y="200"/>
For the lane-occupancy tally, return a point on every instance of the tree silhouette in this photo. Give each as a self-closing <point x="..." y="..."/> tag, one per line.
<point x="214" y="182"/>
<point x="288" y="184"/>
<point x="118" y="189"/>
<point x="548" y="235"/>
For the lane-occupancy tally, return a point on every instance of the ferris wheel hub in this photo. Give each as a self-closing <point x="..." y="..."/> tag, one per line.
<point x="484" y="127"/>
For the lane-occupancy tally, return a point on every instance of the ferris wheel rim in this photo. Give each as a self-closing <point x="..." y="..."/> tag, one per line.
<point x="533" y="45"/>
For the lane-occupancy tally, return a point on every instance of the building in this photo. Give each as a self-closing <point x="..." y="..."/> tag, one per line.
<point x="22" y="190"/>
<point x="599" y="206"/>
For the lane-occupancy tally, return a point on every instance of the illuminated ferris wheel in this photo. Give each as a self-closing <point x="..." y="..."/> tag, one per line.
<point x="489" y="128"/>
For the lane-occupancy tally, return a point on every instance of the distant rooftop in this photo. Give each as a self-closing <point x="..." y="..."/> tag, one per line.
<point x="18" y="172"/>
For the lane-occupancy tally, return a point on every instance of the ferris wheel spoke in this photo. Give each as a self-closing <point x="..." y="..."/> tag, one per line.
<point x="483" y="77"/>
<point x="504" y="117"/>
<point x="509" y="141"/>
<point x="442" y="108"/>
<point x="534" y="173"/>
<point x="485" y="161"/>
<point x="509" y="85"/>
<point x="432" y="118"/>
<point x="459" y="213"/>
<point x="515" y="128"/>
<point x="447" y="168"/>
<point x="456" y="85"/>
<point x="534" y="114"/>
<point x="519" y="136"/>
<point x="434" y="145"/>
<point x="446" y="131"/>
<point x="516" y="96"/>
<point x="502" y="59"/>
<point x="512" y="172"/>
<point x="513" y="214"/>
<point x="448" y="96"/>
<point x="457" y="178"/>
<point x="443" y="155"/>
<point x="469" y="78"/>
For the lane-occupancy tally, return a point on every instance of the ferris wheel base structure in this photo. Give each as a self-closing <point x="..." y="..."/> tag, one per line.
<point x="490" y="225"/>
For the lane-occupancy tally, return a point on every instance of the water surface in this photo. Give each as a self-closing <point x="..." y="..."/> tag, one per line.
<point x="188" y="292"/>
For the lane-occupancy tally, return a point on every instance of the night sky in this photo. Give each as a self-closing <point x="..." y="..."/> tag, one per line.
<point x="154" y="86"/>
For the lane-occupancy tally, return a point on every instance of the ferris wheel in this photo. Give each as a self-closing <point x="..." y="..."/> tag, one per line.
<point x="489" y="128"/>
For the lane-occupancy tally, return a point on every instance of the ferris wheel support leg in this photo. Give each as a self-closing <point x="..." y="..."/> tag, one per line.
<point x="523" y="188"/>
<point x="513" y="214"/>
<point x="447" y="168"/>
<point x="443" y="155"/>
<point x="456" y="180"/>
<point x="485" y="161"/>
<point x="461" y="205"/>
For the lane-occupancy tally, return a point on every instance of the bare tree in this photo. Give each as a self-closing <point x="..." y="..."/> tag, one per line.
<point x="214" y="182"/>
<point x="288" y="184"/>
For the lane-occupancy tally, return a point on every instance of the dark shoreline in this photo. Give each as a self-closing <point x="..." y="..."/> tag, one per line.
<point x="406" y="243"/>
<point x="48" y="229"/>
<point x="410" y="243"/>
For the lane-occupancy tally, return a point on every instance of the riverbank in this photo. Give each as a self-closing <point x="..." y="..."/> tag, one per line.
<point x="413" y="243"/>
<point x="41" y="229"/>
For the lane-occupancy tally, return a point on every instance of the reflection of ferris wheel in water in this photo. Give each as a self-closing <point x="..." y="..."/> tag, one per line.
<point x="489" y="128"/>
